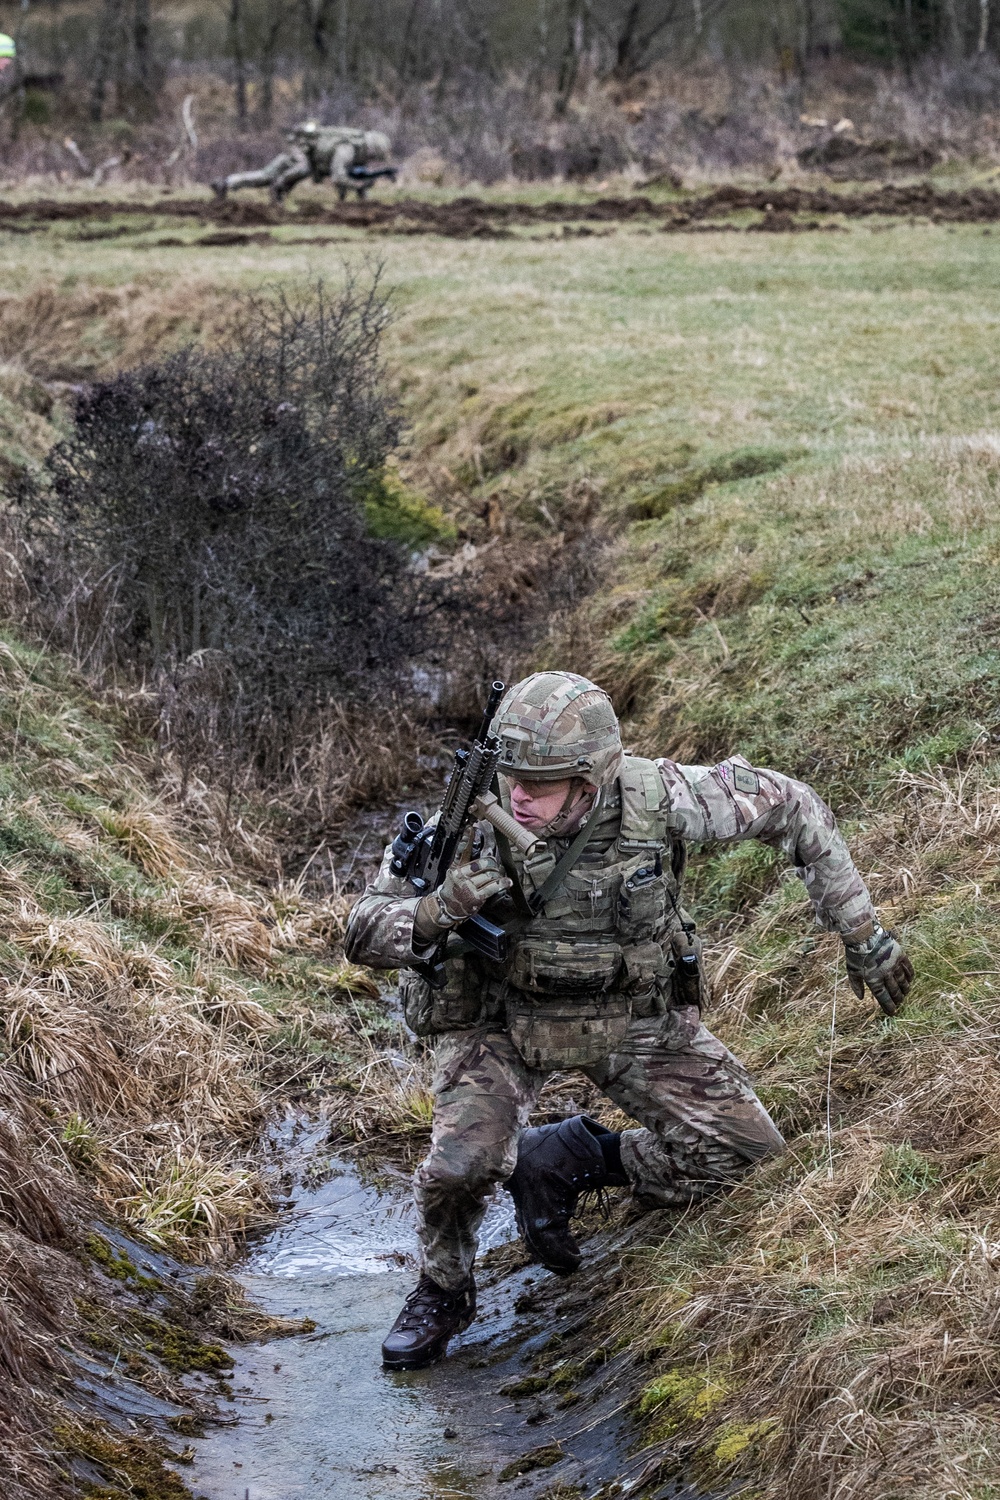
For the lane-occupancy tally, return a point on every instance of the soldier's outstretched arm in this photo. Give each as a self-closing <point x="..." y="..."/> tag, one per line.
<point x="734" y="801"/>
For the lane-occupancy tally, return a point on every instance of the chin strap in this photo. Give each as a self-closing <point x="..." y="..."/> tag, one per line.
<point x="554" y="829"/>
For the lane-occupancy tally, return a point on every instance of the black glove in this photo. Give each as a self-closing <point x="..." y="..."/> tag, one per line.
<point x="880" y="963"/>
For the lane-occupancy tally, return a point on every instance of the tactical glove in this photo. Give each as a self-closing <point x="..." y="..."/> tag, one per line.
<point x="880" y="963"/>
<point x="464" y="890"/>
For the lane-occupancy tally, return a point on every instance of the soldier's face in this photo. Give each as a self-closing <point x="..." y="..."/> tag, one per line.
<point x="5" y="63"/>
<point x="536" y="803"/>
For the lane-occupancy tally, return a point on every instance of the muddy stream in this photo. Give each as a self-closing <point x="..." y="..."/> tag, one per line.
<point x="514" y="1408"/>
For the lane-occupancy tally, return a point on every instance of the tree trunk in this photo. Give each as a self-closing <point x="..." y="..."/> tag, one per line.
<point x="407" y="49"/>
<point x="268" y="59"/>
<point x="805" y="38"/>
<point x="984" y="25"/>
<point x="909" y="41"/>
<point x="342" y="19"/>
<point x="569" y="67"/>
<point x="625" y="45"/>
<point x="109" y="36"/>
<point x="239" y="58"/>
<point x="142" y="42"/>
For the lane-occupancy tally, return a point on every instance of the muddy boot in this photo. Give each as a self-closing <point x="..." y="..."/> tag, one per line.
<point x="555" y="1164"/>
<point x="431" y="1316"/>
<point x="220" y="187"/>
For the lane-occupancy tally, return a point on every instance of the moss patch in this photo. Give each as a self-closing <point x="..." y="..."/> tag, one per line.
<point x="179" y="1350"/>
<point x="116" y="1264"/>
<point x="396" y="513"/>
<point x="539" y="1458"/>
<point x="131" y="1466"/>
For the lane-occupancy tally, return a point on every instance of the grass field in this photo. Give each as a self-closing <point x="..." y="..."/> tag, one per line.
<point x="792" y="447"/>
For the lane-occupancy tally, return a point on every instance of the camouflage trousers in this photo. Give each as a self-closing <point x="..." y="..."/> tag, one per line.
<point x="281" y="174"/>
<point x="703" y="1125"/>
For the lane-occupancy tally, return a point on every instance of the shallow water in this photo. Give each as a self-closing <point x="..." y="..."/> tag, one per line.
<point x="319" y="1418"/>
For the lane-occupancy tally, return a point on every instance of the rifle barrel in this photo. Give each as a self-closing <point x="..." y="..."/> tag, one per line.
<point x="497" y="690"/>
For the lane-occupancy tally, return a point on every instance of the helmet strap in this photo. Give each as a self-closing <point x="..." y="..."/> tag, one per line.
<point x="564" y="820"/>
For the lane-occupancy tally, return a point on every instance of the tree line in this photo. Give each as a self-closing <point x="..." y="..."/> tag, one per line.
<point x="118" y="54"/>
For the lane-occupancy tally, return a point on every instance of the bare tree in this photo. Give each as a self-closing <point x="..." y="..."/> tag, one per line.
<point x="107" y="54"/>
<point x="274" y="23"/>
<point x="635" y="31"/>
<point x="577" y="15"/>
<point x="237" y="48"/>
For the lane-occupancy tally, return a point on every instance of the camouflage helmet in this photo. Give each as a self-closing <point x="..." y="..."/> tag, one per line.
<point x="554" y="725"/>
<point x="7" y="47"/>
<point x="306" y="130"/>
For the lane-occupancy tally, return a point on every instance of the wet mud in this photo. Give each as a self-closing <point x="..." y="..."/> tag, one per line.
<point x="529" y="1401"/>
<point x="781" y="210"/>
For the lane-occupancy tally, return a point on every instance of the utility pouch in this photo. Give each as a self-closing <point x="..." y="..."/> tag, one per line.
<point x="642" y="903"/>
<point x="556" y="1034"/>
<point x="646" y="979"/>
<point x="459" y="1006"/>
<point x="555" y="966"/>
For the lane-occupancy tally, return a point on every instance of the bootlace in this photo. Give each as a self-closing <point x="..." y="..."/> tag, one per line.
<point x="425" y="1299"/>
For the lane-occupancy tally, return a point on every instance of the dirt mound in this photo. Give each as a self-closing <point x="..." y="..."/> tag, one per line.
<point x="478" y="218"/>
<point x="848" y="158"/>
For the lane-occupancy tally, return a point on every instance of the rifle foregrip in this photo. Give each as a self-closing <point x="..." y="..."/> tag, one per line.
<point x="488" y="807"/>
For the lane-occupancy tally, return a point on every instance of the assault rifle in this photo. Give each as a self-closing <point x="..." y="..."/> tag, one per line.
<point x="422" y="853"/>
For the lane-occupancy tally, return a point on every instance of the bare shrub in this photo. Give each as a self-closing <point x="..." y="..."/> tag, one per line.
<point x="210" y="508"/>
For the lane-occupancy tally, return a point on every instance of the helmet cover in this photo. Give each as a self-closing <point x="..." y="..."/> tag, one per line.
<point x="556" y="725"/>
<point x="7" y="48"/>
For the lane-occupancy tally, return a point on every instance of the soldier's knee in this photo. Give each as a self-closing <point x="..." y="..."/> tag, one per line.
<point x="460" y="1166"/>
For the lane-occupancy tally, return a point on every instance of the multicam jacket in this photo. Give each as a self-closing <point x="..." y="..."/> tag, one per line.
<point x="606" y="942"/>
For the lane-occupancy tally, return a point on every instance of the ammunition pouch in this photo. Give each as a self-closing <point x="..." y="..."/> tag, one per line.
<point x="558" y="966"/>
<point x="467" y="1000"/>
<point x="572" y="1033"/>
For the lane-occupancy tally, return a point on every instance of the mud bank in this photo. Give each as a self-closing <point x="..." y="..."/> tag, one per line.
<point x="530" y="1399"/>
<point x="780" y="210"/>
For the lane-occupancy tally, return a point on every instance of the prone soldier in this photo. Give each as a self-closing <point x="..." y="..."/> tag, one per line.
<point x="349" y="158"/>
<point x="602" y="974"/>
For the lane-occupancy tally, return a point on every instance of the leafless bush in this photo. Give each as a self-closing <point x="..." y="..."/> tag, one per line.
<point x="210" y="509"/>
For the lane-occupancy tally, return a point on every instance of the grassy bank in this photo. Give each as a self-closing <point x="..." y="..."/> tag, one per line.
<point x="788" y="450"/>
<point x="162" y="995"/>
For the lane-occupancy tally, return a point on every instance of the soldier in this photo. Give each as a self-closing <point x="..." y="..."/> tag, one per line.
<point x="349" y="158"/>
<point x="603" y="975"/>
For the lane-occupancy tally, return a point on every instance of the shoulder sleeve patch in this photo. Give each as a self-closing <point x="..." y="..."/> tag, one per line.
<point x="746" y="781"/>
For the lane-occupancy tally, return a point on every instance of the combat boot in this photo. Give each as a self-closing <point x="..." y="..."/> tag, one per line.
<point x="555" y="1164"/>
<point x="220" y="187"/>
<point x="430" y="1317"/>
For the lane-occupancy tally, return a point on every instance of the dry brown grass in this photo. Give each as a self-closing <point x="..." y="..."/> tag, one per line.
<point x="155" y="999"/>
<point x="93" y="330"/>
